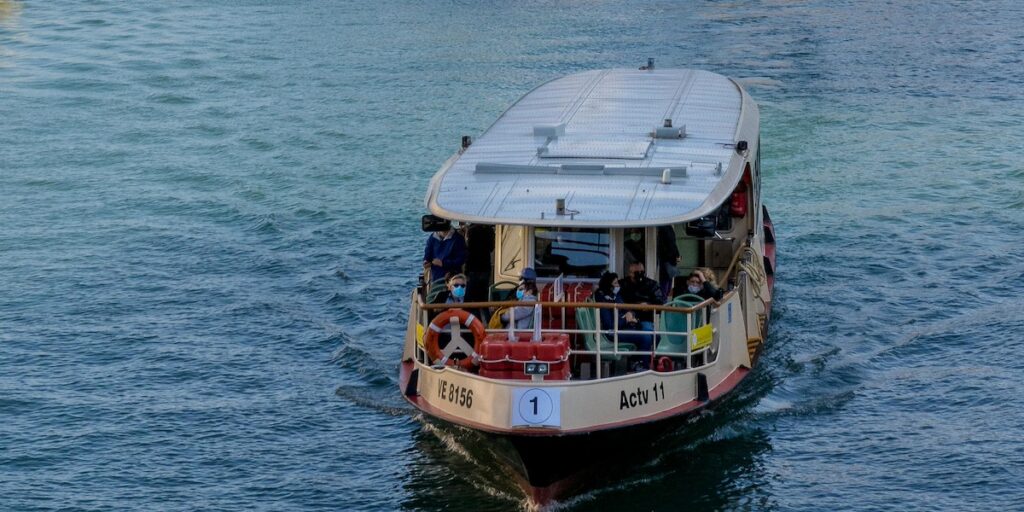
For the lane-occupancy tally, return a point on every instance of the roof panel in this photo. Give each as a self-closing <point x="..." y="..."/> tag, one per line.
<point x="608" y="120"/>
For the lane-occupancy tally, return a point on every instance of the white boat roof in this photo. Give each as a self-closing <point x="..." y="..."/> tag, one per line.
<point x="592" y="139"/>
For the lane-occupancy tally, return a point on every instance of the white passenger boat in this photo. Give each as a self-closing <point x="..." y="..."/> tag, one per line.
<point x="577" y="178"/>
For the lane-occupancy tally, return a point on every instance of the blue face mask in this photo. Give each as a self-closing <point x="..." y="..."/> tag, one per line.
<point x="520" y="294"/>
<point x="615" y="290"/>
<point x="458" y="291"/>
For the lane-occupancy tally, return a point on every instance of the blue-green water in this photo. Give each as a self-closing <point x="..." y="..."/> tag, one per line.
<point x="209" y="228"/>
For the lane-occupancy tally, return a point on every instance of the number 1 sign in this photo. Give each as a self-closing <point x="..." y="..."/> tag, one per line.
<point x="536" y="407"/>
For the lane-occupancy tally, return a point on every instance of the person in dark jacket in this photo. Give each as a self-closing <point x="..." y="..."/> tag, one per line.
<point x="668" y="258"/>
<point x="479" y="247"/>
<point x="608" y="292"/>
<point x="444" y="254"/>
<point x="698" y="284"/>
<point x="637" y="288"/>
<point x="455" y="294"/>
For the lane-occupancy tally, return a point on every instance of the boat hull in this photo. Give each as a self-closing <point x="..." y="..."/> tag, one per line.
<point x="550" y="466"/>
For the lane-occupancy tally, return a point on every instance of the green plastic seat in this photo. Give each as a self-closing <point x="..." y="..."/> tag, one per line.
<point x="586" y="320"/>
<point x="502" y="291"/>
<point x="435" y="289"/>
<point x="677" y="322"/>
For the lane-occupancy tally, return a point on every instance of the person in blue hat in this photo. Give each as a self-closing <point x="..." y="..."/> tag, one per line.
<point x="528" y="275"/>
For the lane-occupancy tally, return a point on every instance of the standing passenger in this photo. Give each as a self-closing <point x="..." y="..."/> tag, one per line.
<point x="445" y="253"/>
<point x="479" y="246"/>
<point x="668" y="258"/>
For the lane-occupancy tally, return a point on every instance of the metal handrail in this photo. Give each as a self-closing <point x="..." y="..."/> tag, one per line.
<point x="598" y="331"/>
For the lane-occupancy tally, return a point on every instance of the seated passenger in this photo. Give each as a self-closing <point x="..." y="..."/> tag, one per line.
<point x="608" y="291"/>
<point x="528" y="275"/>
<point x="698" y="284"/>
<point x="527" y="292"/>
<point x="456" y="292"/>
<point x="640" y="289"/>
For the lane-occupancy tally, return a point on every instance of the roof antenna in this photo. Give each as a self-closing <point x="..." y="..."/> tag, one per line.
<point x="649" y="66"/>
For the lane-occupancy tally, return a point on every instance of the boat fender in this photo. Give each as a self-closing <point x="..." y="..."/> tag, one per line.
<point x="430" y="341"/>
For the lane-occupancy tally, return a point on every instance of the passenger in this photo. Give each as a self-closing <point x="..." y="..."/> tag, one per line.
<point x="709" y="275"/>
<point x="640" y="289"/>
<point x="668" y="258"/>
<point x="608" y="292"/>
<point x="527" y="292"/>
<point x="444" y="254"/>
<point x="633" y="243"/>
<point x="698" y="284"/>
<point x="528" y="275"/>
<point x="456" y="292"/>
<point x="479" y="247"/>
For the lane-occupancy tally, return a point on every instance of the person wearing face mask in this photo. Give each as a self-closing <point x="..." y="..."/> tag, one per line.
<point x="527" y="292"/>
<point x="456" y="292"/>
<point x="609" y="292"/>
<point x="444" y="254"/>
<point x="698" y="284"/>
<point x="637" y="288"/>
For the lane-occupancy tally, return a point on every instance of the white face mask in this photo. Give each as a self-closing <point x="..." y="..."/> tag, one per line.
<point x="693" y="288"/>
<point x="615" y="290"/>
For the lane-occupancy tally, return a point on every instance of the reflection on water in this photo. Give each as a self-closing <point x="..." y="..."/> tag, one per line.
<point x="9" y="11"/>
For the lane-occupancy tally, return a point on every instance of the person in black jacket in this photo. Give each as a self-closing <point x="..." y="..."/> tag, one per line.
<point x="668" y="258"/>
<point x="698" y="284"/>
<point x="637" y="288"/>
<point x="479" y="247"/>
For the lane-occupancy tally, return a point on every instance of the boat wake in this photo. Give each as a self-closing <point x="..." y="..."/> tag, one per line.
<point x="476" y="479"/>
<point x="376" y="399"/>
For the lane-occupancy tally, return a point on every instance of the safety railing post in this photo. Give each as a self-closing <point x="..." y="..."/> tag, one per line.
<point x="597" y="342"/>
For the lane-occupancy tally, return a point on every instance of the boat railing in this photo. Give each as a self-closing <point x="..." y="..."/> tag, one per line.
<point x="682" y="337"/>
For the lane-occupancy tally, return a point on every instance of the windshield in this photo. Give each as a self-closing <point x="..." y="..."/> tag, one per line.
<point x="573" y="252"/>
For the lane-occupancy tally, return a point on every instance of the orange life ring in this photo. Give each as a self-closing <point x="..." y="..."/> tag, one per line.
<point x="430" y="341"/>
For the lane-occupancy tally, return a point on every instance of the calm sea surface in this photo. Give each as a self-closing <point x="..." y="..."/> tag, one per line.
<point x="209" y="229"/>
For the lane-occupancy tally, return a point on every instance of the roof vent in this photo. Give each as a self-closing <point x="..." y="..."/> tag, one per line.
<point x="549" y="130"/>
<point x="668" y="132"/>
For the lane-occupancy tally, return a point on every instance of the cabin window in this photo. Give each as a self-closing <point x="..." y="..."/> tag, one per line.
<point x="572" y="252"/>
<point x="511" y="253"/>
